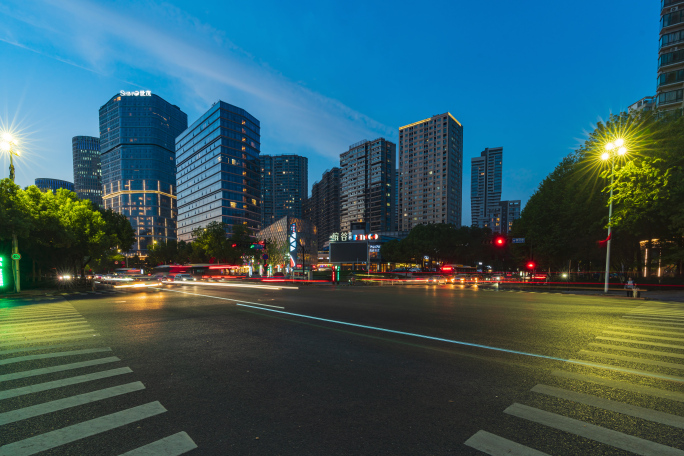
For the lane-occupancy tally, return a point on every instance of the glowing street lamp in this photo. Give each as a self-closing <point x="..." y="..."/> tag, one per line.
<point x="7" y="145"/>
<point x="613" y="150"/>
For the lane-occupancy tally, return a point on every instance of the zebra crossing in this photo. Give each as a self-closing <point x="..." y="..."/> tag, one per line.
<point x="629" y="378"/>
<point x="47" y="351"/>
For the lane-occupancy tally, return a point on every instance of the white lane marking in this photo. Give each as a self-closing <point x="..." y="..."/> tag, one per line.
<point x="40" y="319"/>
<point x="61" y="333"/>
<point x="655" y="317"/>
<point x="619" y="407"/>
<point x="31" y="309"/>
<point x="64" y="382"/>
<point x="225" y="299"/>
<point x="638" y="372"/>
<point x="664" y="321"/>
<point x="68" y="402"/>
<point x="639" y="325"/>
<point x="172" y="445"/>
<point x="638" y="350"/>
<point x="20" y="359"/>
<point x="641" y="342"/>
<point x="649" y="336"/>
<point x="632" y="359"/>
<point x="34" y="330"/>
<point x="36" y="348"/>
<point x="51" y="339"/>
<point x="498" y="446"/>
<point x="619" y="384"/>
<point x="591" y="431"/>
<point x="69" y="434"/>
<point x="39" y="311"/>
<point x="60" y="368"/>
<point x="41" y="324"/>
<point x="674" y="333"/>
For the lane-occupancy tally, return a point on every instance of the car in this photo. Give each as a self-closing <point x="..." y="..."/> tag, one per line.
<point x="184" y="278"/>
<point x="437" y="280"/>
<point x="414" y="270"/>
<point x="279" y="274"/>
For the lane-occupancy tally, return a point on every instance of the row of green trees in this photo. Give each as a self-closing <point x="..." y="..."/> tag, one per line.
<point x="568" y="214"/>
<point x="59" y="232"/>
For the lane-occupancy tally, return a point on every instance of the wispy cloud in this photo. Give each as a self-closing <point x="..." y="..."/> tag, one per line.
<point x="203" y="62"/>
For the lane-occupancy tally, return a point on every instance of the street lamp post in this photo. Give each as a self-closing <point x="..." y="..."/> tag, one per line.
<point x="7" y="145"/>
<point x="612" y="149"/>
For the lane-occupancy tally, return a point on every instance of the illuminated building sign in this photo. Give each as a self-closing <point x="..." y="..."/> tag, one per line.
<point x="137" y="93"/>
<point x="293" y="244"/>
<point x="353" y="237"/>
<point x="2" y="272"/>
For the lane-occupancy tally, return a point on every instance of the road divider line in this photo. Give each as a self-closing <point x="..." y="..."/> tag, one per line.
<point x="649" y="336"/>
<point x="68" y="402"/>
<point x="48" y="324"/>
<point x="44" y="330"/>
<point x="494" y="445"/>
<point x="638" y="350"/>
<point x="20" y="359"/>
<point x="69" y="434"/>
<point x="172" y="445"/>
<point x="60" y="368"/>
<point x="631" y="359"/>
<point x="225" y="299"/>
<point x="467" y="344"/>
<point x="36" y="341"/>
<point x="613" y="406"/>
<point x="16" y="392"/>
<point x="619" y="384"/>
<point x="62" y="333"/>
<point x="591" y="431"/>
<point x="641" y="342"/>
<point x="674" y="333"/>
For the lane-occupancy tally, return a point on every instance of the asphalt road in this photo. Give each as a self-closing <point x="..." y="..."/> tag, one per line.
<point x="349" y="370"/>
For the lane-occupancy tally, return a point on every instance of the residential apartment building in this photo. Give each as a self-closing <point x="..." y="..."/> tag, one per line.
<point x="87" y="168"/>
<point x="322" y="209"/>
<point x="217" y="161"/>
<point x="500" y="216"/>
<point x="670" y="85"/>
<point x="485" y="184"/>
<point x="137" y="138"/>
<point x="367" y="176"/>
<point x="645" y="104"/>
<point x="284" y="186"/>
<point x="431" y="167"/>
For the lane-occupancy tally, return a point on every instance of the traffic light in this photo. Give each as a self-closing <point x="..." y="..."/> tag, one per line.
<point x="530" y="265"/>
<point x="500" y="241"/>
<point x="234" y="245"/>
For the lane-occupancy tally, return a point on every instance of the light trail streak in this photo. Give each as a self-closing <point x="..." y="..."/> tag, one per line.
<point x="222" y="298"/>
<point x="239" y="285"/>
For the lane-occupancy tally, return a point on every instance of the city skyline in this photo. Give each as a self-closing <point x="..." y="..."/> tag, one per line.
<point x="332" y="111"/>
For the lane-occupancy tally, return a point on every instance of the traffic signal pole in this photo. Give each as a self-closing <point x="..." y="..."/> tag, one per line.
<point x="15" y="263"/>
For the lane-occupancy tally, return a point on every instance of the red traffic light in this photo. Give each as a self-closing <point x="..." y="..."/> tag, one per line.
<point x="500" y="241"/>
<point x="530" y="265"/>
<point x="234" y="245"/>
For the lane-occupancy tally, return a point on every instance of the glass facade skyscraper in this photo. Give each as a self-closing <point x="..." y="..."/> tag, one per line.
<point x="284" y="186"/>
<point x="137" y="139"/>
<point x="87" y="169"/>
<point x="217" y="160"/>
<point x="46" y="183"/>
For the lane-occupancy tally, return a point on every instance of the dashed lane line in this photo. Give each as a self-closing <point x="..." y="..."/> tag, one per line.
<point x="68" y="402"/>
<point x="591" y="431"/>
<point x="618" y="407"/>
<point x="172" y="445"/>
<point x="69" y="434"/>
<point x="60" y="368"/>
<point x="494" y="445"/>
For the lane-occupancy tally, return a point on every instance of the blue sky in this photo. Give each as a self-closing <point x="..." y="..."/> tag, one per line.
<point x="533" y="77"/>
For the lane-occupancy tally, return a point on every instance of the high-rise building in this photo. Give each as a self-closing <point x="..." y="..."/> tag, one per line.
<point x="46" y="183"/>
<point x="485" y="184"/>
<point x="671" y="56"/>
<point x="137" y="138"/>
<point x="367" y="175"/>
<point x="217" y="161"/>
<point x="502" y="215"/>
<point x="431" y="164"/>
<point x="284" y="186"/>
<point x="87" y="169"/>
<point x="323" y="208"/>
<point x="645" y="104"/>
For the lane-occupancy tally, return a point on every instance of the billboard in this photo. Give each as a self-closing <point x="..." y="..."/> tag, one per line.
<point x="348" y="252"/>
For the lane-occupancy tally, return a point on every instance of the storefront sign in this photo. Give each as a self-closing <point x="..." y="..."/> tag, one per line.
<point x="344" y="236"/>
<point x="293" y="245"/>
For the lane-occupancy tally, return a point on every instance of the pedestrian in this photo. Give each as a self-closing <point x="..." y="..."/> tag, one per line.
<point x="629" y="286"/>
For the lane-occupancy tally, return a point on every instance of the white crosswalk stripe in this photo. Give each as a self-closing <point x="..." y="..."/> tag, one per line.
<point x="58" y="327"/>
<point x="623" y="346"/>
